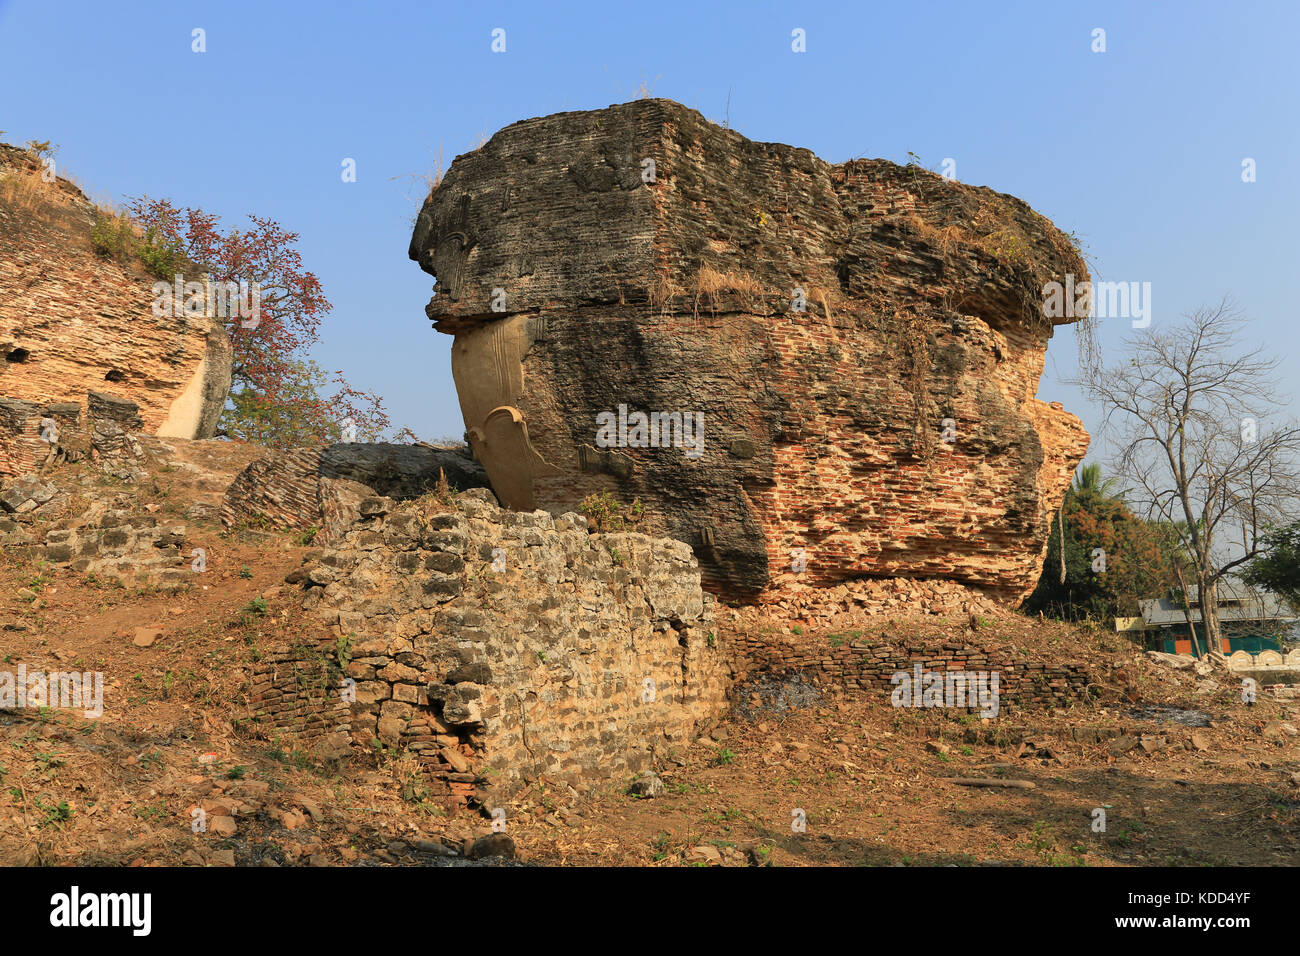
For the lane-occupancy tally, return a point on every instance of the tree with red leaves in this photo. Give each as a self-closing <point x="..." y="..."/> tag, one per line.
<point x="275" y="395"/>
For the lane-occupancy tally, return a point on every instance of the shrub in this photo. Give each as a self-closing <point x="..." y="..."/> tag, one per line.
<point x="112" y="236"/>
<point x="160" y="256"/>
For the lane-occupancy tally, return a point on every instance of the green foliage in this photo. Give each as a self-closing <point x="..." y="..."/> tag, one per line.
<point x="54" y="816"/>
<point x="1140" y="556"/>
<point x="298" y="415"/>
<point x="112" y="236"/>
<point x="1044" y="843"/>
<point x="1278" y="569"/>
<point x="162" y="257"/>
<point x="250" y="612"/>
<point x="343" y="649"/>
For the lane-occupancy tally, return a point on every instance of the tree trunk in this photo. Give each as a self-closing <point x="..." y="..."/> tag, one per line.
<point x="1187" y="610"/>
<point x="1209" y="592"/>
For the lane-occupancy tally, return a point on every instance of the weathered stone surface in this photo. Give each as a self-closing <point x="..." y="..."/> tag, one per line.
<point x="71" y="323"/>
<point x="330" y="487"/>
<point x="26" y="494"/>
<point x="574" y="286"/>
<point x="498" y="677"/>
<point x="114" y="544"/>
<point x="648" y="786"/>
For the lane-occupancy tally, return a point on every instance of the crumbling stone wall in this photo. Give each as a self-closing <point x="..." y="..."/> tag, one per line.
<point x="883" y="419"/>
<point x="500" y="646"/>
<point x="33" y="436"/>
<point x="118" y="545"/>
<point x="867" y="666"/>
<point x="72" y="323"/>
<point x="23" y="447"/>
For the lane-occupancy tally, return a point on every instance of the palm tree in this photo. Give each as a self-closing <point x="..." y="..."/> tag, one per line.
<point x="1088" y="484"/>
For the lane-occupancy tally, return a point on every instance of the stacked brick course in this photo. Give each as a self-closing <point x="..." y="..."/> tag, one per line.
<point x="323" y="486"/>
<point x="867" y="666"/>
<point x="293" y="692"/>
<point x="580" y="658"/>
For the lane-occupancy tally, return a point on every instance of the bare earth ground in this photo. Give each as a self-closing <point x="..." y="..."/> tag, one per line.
<point x="871" y="780"/>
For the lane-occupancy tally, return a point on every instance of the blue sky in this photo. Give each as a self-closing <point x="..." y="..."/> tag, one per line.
<point x="1138" y="149"/>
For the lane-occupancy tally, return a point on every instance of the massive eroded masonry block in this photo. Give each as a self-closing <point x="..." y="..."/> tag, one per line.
<point x="860" y="345"/>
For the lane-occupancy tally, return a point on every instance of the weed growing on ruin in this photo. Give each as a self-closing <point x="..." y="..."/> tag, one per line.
<point x="41" y="150"/>
<point x="606" y="513"/>
<point x="443" y="491"/>
<point x="405" y="768"/>
<point x="162" y="257"/>
<point x="308" y="536"/>
<point x="724" y="757"/>
<point x="343" y="649"/>
<point x="710" y="284"/>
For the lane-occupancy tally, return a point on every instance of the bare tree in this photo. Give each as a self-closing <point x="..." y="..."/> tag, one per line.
<point x="1192" y="423"/>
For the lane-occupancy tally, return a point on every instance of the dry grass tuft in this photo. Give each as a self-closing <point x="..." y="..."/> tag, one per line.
<point x="23" y="191"/>
<point x="663" y="290"/>
<point x="712" y="283"/>
<point x="945" y="238"/>
<point x="426" y="182"/>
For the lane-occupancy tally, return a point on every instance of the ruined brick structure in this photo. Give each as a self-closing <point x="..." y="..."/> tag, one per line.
<point x="322" y="486"/>
<point x="72" y="323"/>
<point x="864" y="342"/>
<point x="868" y="666"/>
<point x="502" y="646"/>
